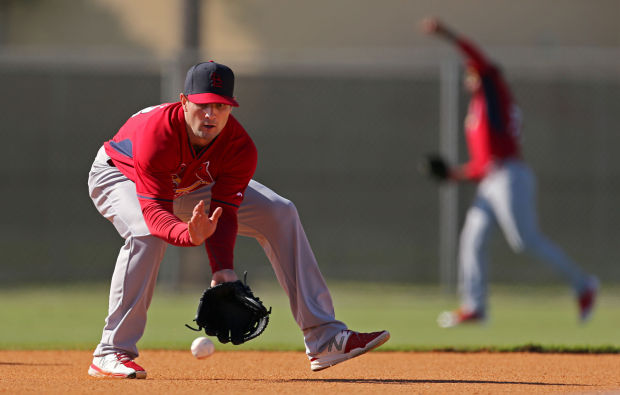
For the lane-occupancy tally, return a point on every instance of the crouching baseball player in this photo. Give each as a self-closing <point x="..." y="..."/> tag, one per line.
<point x="181" y="174"/>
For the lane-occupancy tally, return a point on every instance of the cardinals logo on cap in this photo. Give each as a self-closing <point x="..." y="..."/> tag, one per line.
<point x="216" y="80"/>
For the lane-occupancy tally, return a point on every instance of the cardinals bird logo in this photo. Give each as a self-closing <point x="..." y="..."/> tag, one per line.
<point x="203" y="177"/>
<point x="203" y="173"/>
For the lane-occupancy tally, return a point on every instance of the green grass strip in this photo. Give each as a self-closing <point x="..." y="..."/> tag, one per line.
<point x="521" y="319"/>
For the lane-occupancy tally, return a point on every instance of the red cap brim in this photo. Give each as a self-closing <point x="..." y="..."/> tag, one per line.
<point x="206" y="98"/>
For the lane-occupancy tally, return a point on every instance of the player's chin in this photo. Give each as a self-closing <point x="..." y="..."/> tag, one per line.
<point x="210" y="129"/>
<point x="207" y="132"/>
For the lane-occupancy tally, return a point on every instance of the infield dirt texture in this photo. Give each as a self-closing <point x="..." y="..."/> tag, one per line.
<point x="178" y="372"/>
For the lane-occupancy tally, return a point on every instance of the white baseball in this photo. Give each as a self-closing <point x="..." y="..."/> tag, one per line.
<point x="202" y="347"/>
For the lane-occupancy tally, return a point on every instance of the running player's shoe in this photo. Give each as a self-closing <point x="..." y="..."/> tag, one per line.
<point x="449" y="319"/>
<point x="116" y="365"/>
<point x="587" y="299"/>
<point x="346" y="345"/>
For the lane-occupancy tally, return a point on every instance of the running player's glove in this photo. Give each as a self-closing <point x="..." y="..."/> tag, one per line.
<point x="231" y="312"/>
<point x="435" y="166"/>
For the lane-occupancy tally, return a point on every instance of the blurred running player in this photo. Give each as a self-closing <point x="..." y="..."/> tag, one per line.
<point x="505" y="193"/>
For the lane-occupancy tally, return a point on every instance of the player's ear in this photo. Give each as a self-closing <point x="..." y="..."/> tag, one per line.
<point x="184" y="101"/>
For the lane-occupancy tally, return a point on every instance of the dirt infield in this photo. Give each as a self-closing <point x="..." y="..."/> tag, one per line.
<point x="172" y="372"/>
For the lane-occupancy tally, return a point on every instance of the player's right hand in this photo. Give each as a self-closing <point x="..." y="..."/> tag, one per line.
<point x="201" y="226"/>
<point x="430" y="25"/>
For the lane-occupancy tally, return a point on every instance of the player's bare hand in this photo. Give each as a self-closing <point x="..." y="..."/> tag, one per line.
<point x="201" y="226"/>
<point x="429" y="25"/>
<point x="223" y="276"/>
<point x="432" y="25"/>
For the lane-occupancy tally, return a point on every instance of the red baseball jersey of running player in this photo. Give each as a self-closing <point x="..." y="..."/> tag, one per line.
<point x="492" y="124"/>
<point x="153" y="150"/>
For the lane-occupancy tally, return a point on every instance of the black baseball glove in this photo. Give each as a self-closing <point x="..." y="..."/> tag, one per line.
<point x="231" y="312"/>
<point x="435" y="166"/>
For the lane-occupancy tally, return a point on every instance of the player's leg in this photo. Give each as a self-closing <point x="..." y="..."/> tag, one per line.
<point x="135" y="273"/>
<point x="473" y="256"/>
<point x="515" y="205"/>
<point x="517" y="216"/>
<point x="274" y="222"/>
<point x="472" y="263"/>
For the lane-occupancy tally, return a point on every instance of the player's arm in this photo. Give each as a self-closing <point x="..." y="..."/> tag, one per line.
<point x="474" y="55"/>
<point x="227" y="194"/>
<point x="432" y="25"/>
<point x="466" y="172"/>
<point x="157" y="210"/>
<point x="455" y="173"/>
<point x="155" y="161"/>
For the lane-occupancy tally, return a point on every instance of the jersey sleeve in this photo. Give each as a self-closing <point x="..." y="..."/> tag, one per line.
<point x="228" y="193"/>
<point x="474" y="170"/>
<point x="155" y="162"/>
<point x="475" y="57"/>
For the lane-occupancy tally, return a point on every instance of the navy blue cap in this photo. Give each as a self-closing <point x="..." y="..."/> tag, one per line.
<point x="210" y="82"/>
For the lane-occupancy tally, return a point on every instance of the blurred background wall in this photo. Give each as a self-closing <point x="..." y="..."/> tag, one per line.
<point x="342" y="98"/>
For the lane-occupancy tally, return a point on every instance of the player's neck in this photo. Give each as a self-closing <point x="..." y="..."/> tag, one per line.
<point x="199" y="142"/>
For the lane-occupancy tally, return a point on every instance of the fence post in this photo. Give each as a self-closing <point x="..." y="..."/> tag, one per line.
<point x="448" y="193"/>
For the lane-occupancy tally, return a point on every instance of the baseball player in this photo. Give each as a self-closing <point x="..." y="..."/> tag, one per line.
<point x="181" y="173"/>
<point x="505" y="193"/>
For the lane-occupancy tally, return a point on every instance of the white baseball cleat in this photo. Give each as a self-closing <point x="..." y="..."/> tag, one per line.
<point x="450" y="319"/>
<point x="346" y="345"/>
<point x="116" y="365"/>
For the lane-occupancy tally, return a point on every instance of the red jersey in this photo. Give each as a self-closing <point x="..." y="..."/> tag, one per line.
<point x="153" y="150"/>
<point x="492" y="124"/>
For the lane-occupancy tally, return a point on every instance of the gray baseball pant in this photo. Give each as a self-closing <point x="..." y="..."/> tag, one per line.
<point x="506" y="197"/>
<point x="269" y="218"/>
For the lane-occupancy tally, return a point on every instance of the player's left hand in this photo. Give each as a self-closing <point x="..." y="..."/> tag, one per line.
<point x="435" y="166"/>
<point x="231" y="312"/>
<point x="223" y="276"/>
<point x="201" y="226"/>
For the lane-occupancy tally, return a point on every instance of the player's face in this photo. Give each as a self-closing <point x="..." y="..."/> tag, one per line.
<point x="205" y="121"/>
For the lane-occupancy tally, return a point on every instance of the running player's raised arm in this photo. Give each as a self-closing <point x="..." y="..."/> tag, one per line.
<point x="475" y="57"/>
